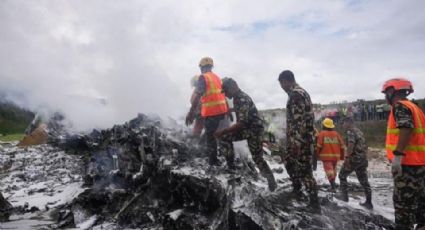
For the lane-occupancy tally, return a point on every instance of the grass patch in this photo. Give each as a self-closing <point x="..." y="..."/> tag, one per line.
<point x="375" y="132"/>
<point x="12" y="137"/>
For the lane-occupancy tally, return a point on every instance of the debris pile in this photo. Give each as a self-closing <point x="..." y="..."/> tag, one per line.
<point x="147" y="174"/>
<point x="37" y="180"/>
<point x="143" y="174"/>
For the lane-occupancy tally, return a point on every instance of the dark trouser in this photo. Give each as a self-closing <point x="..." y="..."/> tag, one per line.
<point x="211" y="124"/>
<point x="361" y="171"/>
<point x="409" y="197"/>
<point x="254" y="139"/>
<point x="254" y="144"/>
<point x="300" y="172"/>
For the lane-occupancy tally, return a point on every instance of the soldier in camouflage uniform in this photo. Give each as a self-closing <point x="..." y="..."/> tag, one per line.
<point x="355" y="160"/>
<point x="405" y="149"/>
<point x="249" y="126"/>
<point x="300" y="138"/>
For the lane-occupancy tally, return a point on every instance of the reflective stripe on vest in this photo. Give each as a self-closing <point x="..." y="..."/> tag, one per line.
<point x="330" y="145"/>
<point x="415" y="150"/>
<point x="213" y="100"/>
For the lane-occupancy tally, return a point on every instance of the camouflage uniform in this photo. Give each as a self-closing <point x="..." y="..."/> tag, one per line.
<point x="300" y="132"/>
<point x="356" y="162"/>
<point x="247" y="113"/>
<point x="409" y="187"/>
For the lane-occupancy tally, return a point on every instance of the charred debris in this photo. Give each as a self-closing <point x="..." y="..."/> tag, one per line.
<point x="148" y="174"/>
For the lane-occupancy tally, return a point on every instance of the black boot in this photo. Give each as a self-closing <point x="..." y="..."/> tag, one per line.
<point x="333" y="186"/>
<point x="271" y="181"/>
<point x="214" y="161"/>
<point x="368" y="203"/>
<point x="268" y="174"/>
<point x="315" y="204"/>
<point x="296" y="192"/>
<point x="342" y="195"/>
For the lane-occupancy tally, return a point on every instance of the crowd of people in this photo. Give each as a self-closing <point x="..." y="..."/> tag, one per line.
<point x="360" y="110"/>
<point x="405" y="142"/>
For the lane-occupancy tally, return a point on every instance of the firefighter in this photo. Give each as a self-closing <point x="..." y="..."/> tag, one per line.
<point x="329" y="149"/>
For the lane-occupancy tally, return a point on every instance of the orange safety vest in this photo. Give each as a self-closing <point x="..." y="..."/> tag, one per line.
<point x="330" y="146"/>
<point x="415" y="150"/>
<point x="213" y="101"/>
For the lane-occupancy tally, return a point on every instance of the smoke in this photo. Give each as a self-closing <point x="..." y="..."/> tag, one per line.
<point x="102" y="62"/>
<point x="97" y="69"/>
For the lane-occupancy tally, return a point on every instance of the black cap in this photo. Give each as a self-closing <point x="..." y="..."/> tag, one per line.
<point x="228" y="83"/>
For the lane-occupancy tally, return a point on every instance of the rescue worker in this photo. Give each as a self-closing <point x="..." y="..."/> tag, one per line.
<point x="213" y="106"/>
<point x="199" y="121"/>
<point x="329" y="149"/>
<point x="249" y="126"/>
<point x="300" y="138"/>
<point x="405" y="145"/>
<point x="355" y="160"/>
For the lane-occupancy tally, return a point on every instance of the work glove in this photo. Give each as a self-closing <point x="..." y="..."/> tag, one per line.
<point x="396" y="165"/>
<point x="190" y="117"/>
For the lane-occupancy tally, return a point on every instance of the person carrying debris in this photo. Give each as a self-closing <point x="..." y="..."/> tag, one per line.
<point x="355" y="160"/>
<point x="300" y="138"/>
<point x="213" y="106"/>
<point x="329" y="149"/>
<point x="405" y="145"/>
<point x="249" y="126"/>
<point x="199" y="121"/>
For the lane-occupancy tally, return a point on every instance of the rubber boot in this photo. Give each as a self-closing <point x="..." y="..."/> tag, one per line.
<point x="214" y="162"/>
<point x="342" y="195"/>
<point x="333" y="186"/>
<point x="231" y="168"/>
<point x="268" y="174"/>
<point x="272" y="182"/>
<point x="296" y="192"/>
<point x="315" y="204"/>
<point x="368" y="203"/>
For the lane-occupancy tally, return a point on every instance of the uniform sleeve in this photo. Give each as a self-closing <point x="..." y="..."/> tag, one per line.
<point x="298" y="111"/>
<point x="350" y="137"/>
<point x="243" y="108"/>
<point x="341" y="143"/>
<point x="403" y="116"/>
<point x="201" y="86"/>
<point x="319" y="144"/>
<point x="320" y="140"/>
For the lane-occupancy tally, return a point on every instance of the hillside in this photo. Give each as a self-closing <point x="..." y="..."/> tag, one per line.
<point x="13" y="119"/>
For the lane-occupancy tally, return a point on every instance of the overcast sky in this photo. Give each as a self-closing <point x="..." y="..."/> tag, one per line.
<point x="104" y="61"/>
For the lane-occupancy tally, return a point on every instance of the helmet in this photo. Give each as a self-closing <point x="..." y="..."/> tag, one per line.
<point x="206" y="61"/>
<point x="328" y="123"/>
<point x="398" y="84"/>
<point x="228" y="83"/>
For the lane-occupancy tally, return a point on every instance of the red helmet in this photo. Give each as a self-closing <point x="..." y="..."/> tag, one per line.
<point x="398" y="84"/>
